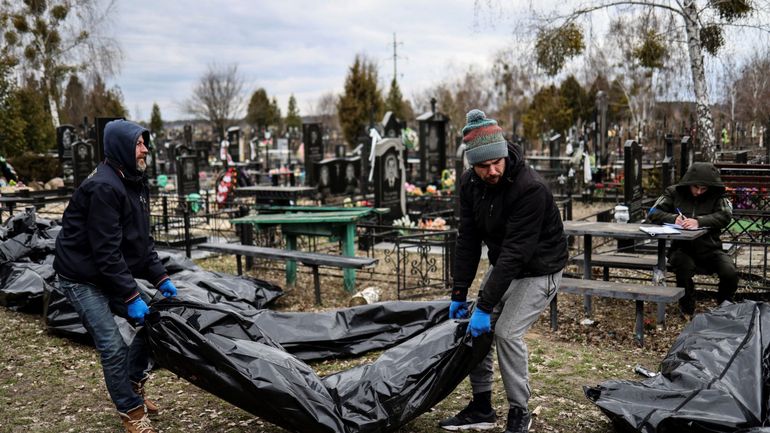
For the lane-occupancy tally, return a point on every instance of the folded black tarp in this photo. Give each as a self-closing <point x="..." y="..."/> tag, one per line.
<point x="228" y="355"/>
<point x="713" y="379"/>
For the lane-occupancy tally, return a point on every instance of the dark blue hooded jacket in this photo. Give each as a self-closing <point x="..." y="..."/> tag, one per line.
<point x="105" y="238"/>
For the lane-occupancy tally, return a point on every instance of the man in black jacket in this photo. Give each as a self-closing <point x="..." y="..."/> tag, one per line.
<point x="508" y="206"/>
<point x="698" y="201"/>
<point x="104" y="244"/>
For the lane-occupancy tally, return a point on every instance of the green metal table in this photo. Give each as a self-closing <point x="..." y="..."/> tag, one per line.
<point x="333" y="222"/>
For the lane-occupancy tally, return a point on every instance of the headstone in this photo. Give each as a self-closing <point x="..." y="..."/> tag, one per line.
<point x="281" y="154"/>
<point x="632" y="180"/>
<point x="101" y="122"/>
<point x="433" y="140"/>
<point x="351" y="175"/>
<point x="188" y="135"/>
<point x="685" y="155"/>
<point x="554" y="149"/>
<point x="391" y="126"/>
<point x="234" y="137"/>
<point x="389" y="176"/>
<point x="82" y="161"/>
<point x="187" y="181"/>
<point x="65" y="136"/>
<point x="152" y="165"/>
<point x="312" y="137"/>
<point x="202" y="148"/>
<point x="366" y="161"/>
<point x="329" y="179"/>
<point x="668" y="175"/>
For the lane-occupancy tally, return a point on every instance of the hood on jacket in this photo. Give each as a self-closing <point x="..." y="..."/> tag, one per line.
<point x="120" y="144"/>
<point x="703" y="174"/>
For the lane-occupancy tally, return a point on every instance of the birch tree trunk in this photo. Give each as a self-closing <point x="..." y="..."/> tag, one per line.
<point x="703" y="110"/>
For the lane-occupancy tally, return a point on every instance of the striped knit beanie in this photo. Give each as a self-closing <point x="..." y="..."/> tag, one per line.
<point x="483" y="139"/>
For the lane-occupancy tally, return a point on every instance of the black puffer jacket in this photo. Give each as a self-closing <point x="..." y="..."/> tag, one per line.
<point x="105" y="238"/>
<point x="712" y="209"/>
<point x="518" y="221"/>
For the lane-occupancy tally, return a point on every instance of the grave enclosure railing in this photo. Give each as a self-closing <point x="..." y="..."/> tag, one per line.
<point x="177" y="223"/>
<point x="420" y="259"/>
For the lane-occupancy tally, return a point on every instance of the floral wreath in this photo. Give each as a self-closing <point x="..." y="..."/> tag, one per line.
<point x="226" y="186"/>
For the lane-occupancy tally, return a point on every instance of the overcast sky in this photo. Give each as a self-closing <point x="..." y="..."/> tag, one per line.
<point x="293" y="46"/>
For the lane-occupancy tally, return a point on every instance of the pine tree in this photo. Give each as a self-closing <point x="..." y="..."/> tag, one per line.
<point x="74" y="108"/>
<point x="274" y="114"/>
<point x="12" y="124"/>
<point x="258" y="112"/>
<point x="156" y="122"/>
<point x="361" y="103"/>
<point x="293" y="118"/>
<point x="395" y="101"/>
<point x="39" y="133"/>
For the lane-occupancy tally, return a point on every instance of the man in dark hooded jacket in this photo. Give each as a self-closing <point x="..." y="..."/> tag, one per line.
<point x="104" y="244"/>
<point x="698" y="202"/>
<point x="508" y="206"/>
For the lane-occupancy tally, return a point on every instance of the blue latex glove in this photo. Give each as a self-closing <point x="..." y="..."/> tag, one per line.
<point x="137" y="310"/>
<point x="167" y="288"/>
<point x="458" y="310"/>
<point x="480" y="323"/>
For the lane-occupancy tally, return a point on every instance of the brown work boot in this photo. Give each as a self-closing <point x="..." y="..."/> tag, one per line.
<point x="136" y="421"/>
<point x="152" y="408"/>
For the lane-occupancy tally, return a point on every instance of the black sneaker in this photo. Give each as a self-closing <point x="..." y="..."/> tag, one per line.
<point x="519" y="420"/>
<point x="470" y="418"/>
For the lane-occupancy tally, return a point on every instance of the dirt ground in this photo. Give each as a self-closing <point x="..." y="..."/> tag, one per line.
<point x="50" y="384"/>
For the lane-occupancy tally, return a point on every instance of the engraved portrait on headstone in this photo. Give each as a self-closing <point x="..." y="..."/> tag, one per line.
<point x="389" y="176"/>
<point x="391" y="170"/>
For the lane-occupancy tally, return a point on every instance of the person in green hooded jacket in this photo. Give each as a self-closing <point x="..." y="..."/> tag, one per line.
<point x="698" y="201"/>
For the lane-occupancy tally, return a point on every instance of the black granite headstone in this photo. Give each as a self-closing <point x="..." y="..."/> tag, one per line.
<point x="366" y="161"/>
<point x="668" y="174"/>
<point x="433" y="140"/>
<point x="65" y="136"/>
<point x="82" y="161"/>
<point x="328" y="176"/>
<point x="632" y="180"/>
<point x="391" y="126"/>
<point x="351" y="175"/>
<point x="187" y="181"/>
<point x="685" y="155"/>
<point x="188" y="135"/>
<point x="389" y="175"/>
<point x="312" y="137"/>
<point x="234" y="137"/>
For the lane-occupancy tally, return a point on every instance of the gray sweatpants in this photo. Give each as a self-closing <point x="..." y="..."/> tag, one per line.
<point x="516" y="312"/>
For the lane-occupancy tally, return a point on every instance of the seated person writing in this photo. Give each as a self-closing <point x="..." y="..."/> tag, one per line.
<point x="698" y="201"/>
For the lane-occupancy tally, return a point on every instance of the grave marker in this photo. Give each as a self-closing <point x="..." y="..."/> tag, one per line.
<point x="65" y="136"/>
<point x="82" y="161"/>
<point x="389" y="176"/>
<point x="632" y="183"/>
<point x="234" y="140"/>
<point x="312" y="138"/>
<point x="433" y="140"/>
<point x="187" y="181"/>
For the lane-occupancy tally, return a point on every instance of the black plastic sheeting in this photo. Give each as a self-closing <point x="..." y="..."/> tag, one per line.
<point x="228" y="355"/>
<point x="713" y="379"/>
<point x="237" y="292"/>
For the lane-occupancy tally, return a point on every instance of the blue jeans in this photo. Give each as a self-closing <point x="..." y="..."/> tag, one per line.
<point x="121" y="363"/>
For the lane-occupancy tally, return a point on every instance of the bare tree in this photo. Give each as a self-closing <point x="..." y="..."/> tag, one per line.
<point x="702" y="24"/>
<point x="52" y="39"/>
<point x="642" y="58"/>
<point x="218" y="97"/>
<point x="752" y="88"/>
